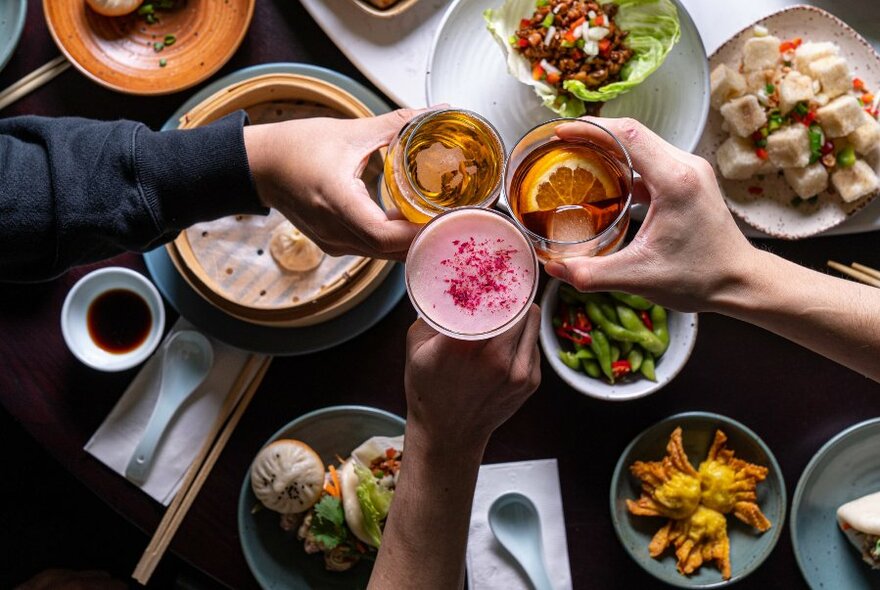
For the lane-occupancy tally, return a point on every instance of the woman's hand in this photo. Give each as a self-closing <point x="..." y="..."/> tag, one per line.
<point x="310" y="170"/>
<point x="689" y="253"/>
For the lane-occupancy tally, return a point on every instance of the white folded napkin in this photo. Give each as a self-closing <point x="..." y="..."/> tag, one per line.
<point x="115" y="440"/>
<point x="489" y="566"/>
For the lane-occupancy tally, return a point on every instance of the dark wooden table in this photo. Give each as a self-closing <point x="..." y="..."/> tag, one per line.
<point x="793" y="398"/>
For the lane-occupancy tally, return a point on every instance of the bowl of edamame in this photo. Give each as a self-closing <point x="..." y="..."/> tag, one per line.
<point x="613" y="346"/>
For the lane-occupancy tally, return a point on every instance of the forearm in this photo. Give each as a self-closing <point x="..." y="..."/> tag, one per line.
<point x="425" y="536"/>
<point x="834" y="317"/>
<point x="73" y="190"/>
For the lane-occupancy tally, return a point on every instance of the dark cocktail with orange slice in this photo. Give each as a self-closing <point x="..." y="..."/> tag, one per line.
<point x="570" y="195"/>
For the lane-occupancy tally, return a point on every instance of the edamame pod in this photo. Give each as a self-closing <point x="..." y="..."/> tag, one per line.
<point x="615" y="353"/>
<point x="647" y="368"/>
<point x="602" y="350"/>
<point x="609" y="312"/>
<point x="645" y="337"/>
<point x="633" y="301"/>
<point x="570" y="359"/>
<point x="584" y="353"/>
<point x="592" y="369"/>
<point x="635" y="358"/>
<point x="611" y="329"/>
<point x="625" y="347"/>
<point x="661" y="326"/>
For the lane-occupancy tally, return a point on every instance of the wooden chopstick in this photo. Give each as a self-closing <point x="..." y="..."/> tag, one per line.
<point x="859" y="275"/>
<point x="198" y="473"/>
<point x="867" y="270"/>
<point x="32" y="81"/>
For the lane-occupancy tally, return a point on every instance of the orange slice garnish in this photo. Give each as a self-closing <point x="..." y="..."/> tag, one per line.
<point x="568" y="176"/>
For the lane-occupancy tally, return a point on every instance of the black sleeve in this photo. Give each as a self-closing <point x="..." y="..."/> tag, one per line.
<point x="74" y="191"/>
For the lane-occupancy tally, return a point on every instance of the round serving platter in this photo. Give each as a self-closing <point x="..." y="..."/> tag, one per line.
<point x="12" y="14"/>
<point x="260" y="338"/>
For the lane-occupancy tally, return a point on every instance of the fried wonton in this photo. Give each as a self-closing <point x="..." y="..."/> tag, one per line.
<point x="730" y="484"/>
<point x="670" y="487"/>
<point x="700" y="538"/>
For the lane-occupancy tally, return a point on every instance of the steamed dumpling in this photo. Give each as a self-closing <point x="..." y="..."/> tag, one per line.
<point x="114" y="7"/>
<point x="293" y="250"/>
<point x="287" y="476"/>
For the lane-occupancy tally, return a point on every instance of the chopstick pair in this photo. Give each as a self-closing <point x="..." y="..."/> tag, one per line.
<point x="32" y="81"/>
<point x="860" y="272"/>
<point x="230" y="413"/>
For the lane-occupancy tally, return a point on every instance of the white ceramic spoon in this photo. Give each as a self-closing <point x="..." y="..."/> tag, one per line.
<point x="187" y="359"/>
<point x="514" y="521"/>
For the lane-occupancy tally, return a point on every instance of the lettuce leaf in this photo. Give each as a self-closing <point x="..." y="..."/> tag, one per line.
<point x="653" y="27"/>
<point x="375" y="502"/>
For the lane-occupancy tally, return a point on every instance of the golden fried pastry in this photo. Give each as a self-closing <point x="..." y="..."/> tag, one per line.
<point x="670" y="487"/>
<point x="697" y="539"/>
<point x="729" y="484"/>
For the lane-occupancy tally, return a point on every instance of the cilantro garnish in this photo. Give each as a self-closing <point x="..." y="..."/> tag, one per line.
<point x="328" y="523"/>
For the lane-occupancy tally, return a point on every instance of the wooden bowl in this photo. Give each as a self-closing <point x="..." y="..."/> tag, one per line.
<point x="395" y="9"/>
<point x="243" y="300"/>
<point x="119" y="53"/>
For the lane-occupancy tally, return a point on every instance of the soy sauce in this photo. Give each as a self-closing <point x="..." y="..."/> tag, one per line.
<point x="119" y="320"/>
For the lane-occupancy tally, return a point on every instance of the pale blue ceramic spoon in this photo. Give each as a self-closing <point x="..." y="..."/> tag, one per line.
<point x="187" y="359"/>
<point x="514" y="521"/>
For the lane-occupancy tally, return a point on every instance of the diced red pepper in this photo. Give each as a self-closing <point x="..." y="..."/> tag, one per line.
<point x="604" y="46"/>
<point x="600" y="20"/>
<point x="575" y="25"/>
<point x="525" y="23"/>
<point x="537" y="72"/>
<point x="809" y="118"/>
<point x="646" y="319"/>
<point x="762" y="153"/>
<point x="523" y="43"/>
<point x="868" y="98"/>
<point x="553" y="78"/>
<point x="790" y="45"/>
<point x="581" y="322"/>
<point x="575" y="335"/>
<point x="858" y="84"/>
<point x="569" y="36"/>
<point x="620" y="368"/>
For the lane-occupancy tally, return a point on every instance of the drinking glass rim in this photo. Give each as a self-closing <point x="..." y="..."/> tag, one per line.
<point x="497" y="188"/>
<point x="536" y="269"/>
<point x="611" y="225"/>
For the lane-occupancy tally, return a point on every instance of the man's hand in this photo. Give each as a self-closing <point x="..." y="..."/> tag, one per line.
<point x="458" y="392"/>
<point x="689" y="254"/>
<point x="310" y="170"/>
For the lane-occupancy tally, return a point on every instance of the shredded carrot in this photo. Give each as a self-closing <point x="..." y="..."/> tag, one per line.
<point x="331" y="490"/>
<point x="335" y="477"/>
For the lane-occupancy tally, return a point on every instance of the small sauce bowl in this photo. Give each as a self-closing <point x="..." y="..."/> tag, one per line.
<point x="75" y="320"/>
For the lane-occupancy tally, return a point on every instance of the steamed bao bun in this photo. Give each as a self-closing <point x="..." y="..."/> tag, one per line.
<point x="287" y="476"/>
<point x="371" y="449"/>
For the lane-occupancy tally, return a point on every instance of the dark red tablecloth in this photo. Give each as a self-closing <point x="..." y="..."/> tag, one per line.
<point x="793" y="398"/>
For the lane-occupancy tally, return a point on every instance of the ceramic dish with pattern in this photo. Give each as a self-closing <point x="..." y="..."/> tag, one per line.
<point x="275" y="557"/>
<point x="12" y="14"/>
<point x="845" y="468"/>
<point x="466" y="68"/>
<point x="384" y="8"/>
<point x="748" y="548"/>
<point x="682" y="338"/>
<point x="767" y="202"/>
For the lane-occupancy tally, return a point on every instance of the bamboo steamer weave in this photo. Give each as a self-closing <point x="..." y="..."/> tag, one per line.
<point x="236" y="272"/>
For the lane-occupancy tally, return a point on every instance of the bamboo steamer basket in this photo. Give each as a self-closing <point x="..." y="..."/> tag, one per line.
<point x="333" y="299"/>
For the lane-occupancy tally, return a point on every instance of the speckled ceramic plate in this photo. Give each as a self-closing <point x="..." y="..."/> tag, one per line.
<point x="682" y="338"/>
<point x="466" y="68"/>
<point x="772" y="211"/>
<point x="748" y="548"/>
<point x="276" y="558"/>
<point x="845" y="468"/>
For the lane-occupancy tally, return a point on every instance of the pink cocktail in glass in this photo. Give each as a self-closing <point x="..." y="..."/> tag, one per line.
<point x="471" y="273"/>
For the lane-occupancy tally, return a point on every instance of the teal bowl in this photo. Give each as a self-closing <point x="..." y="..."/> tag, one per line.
<point x="275" y="557"/>
<point x="748" y="548"/>
<point x="845" y="468"/>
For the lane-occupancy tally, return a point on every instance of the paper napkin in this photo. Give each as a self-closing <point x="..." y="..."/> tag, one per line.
<point x="115" y="440"/>
<point x="489" y="566"/>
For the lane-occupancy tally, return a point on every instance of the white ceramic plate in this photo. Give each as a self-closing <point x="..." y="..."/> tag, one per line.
<point x="467" y="68"/>
<point x="682" y="338"/>
<point x="772" y="211"/>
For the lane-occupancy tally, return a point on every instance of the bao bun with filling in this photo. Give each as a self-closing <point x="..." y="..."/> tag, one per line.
<point x="114" y="7"/>
<point x="860" y="522"/>
<point x="350" y="480"/>
<point x="287" y="476"/>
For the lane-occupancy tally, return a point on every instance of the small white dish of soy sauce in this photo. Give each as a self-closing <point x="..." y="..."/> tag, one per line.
<point x="112" y="319"/>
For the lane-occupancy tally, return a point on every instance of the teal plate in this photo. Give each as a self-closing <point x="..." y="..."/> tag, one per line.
<point x="748" y="547"/>
<point x="266" y="339"/>
<point x="845" y="468"/>
<point x="275" y="557"/>
<point x="12" y="13"/>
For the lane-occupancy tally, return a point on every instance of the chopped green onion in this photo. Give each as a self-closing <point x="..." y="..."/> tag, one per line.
<point x="770" y="88"/>
<point x="787" y="64"/>
<point x="761" y="143"/>
<point x="513" y="40"/>
<point x="163" y="62"/>
<point x="846" y="157"/>
<point x="151" y="20"/>
<point x="566" y="44"/>
<point x="580" y="43"/>
<point x="158" y="46"/>
<point x="817" y="138"/>
<point x="541" y="3"/>
<point x="145" y="9"/>
<point x="548" y="20"/>
<point x="170" y="39"/>
<point x="801" y="108"/>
